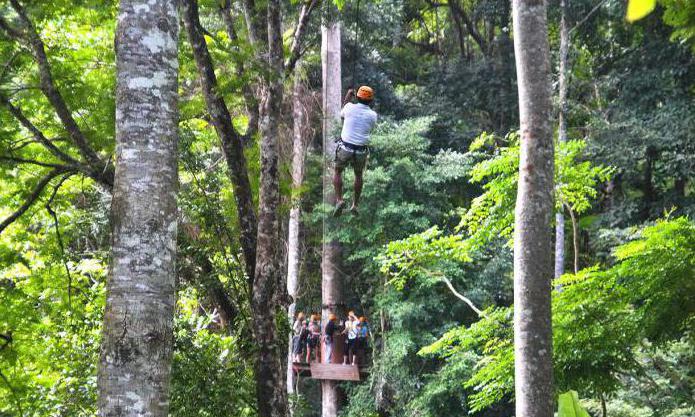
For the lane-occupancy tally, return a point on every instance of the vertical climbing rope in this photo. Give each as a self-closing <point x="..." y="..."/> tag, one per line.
<point x="356" y="28"/>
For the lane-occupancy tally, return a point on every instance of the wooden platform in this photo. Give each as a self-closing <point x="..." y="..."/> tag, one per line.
<point x="331" y="371"/>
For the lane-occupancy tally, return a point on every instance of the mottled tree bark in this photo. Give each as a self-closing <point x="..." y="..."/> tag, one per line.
<point x="299" y="142"/>
<point x="137" y="343"/>
<point x="533" y="259"/>
<point x="331" y="295"/>
<point x="562" y="133"/>
<point x="270" y="382"/>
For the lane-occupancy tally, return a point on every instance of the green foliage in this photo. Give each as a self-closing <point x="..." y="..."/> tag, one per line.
<point x="601" y="318"/>
<point x="490" y="216"/>
<point x="621" y="325"/>
<point x="569" y="406"/>
<point x="680" y="15"/>
<point x="54" y="320"/>
<point x="209" y="375"/>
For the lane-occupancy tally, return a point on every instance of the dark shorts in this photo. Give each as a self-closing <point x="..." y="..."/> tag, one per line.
<point x="361" y="343"/>
<point x="313" y="341"/>
<point x="345" y="157"/>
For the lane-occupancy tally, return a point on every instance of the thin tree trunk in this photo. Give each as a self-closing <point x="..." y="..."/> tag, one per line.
<point x="562" y="133"/>
<point x="270" y="382"/>
<point x="136" y="349"/>
<point x="604" y="410"/>
<point x="299" y="141"/>
<point x="505" y="57"/>
<point x="533" y="259"/>
<point x="679" y="186"/>
<point x="575" y="238"/>
<point x="559" y="244"/>
<point x="648" y="189"/>
<point x="330" y="278"/>
<point x="230" y="139"/>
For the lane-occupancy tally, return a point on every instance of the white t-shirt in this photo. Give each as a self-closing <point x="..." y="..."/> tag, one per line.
<point x="352" y="329"/>
<point x="358" y="122"/>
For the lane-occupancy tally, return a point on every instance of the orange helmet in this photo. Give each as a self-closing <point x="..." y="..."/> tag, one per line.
<point x="332" y="317"/>
<point x="365" y="93"/>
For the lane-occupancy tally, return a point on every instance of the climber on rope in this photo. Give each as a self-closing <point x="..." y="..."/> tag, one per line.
<point x="353" y="145"/>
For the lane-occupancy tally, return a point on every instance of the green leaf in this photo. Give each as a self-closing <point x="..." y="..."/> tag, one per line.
<point x="637" y="9"/>
<point x="568" y="406"/>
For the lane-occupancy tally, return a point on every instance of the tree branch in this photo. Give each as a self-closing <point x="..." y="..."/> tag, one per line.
<point x="14" y="394"/>
<point x="33" y="162"/>
<point x="461" y="296"/>
<point x="102" y="173"/>
<point x="472" y="30"/>
<point x="31" y="199"/>
<point x="50" y="90"/>
<point x="9" y="30"/>
<point x="300" y="31"/>
<point x="7" y="338"/>
<point x="56" y="225"/>
<point x="258" y="35"/>
<point x="424" y="47"/>
<point x="35" y="132"/>
<point x="231" y="141"/>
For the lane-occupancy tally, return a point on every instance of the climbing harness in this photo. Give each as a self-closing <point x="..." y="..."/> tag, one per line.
<point x="349" y="147"/>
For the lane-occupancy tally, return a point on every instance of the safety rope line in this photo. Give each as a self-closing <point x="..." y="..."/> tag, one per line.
<point x="326" y="163"/>
<point x="356" y="25"/>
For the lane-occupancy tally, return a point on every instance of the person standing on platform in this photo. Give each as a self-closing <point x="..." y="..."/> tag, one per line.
<point x="298" y="330"/>
<point x="351" y="331"/>
<point x="329" y="333"/>
<point x="362" y="341"/>
<point x="314" y="338"/>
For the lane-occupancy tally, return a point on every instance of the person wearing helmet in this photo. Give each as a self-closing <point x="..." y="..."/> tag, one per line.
<point x="353" y="146"/>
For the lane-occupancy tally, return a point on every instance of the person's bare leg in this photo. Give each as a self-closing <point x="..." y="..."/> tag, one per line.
<point x="338" y="184"/>
<point x="338" y="187"/>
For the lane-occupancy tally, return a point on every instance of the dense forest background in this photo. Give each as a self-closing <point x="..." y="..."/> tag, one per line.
<point x="437" y="211"/>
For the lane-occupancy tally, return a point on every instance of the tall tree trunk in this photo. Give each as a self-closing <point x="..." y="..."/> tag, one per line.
<point x="649" y="193"/>
<point x="270" y="382"/>
<point x="136" y="349"/>
<point x="299" y="142"/>
<point x="505" y="56"/>
<point x="562" y="133"/>
<point x="679" y="186"/>
<point x="533" y="259"/>
<point x="330" y="278"/>
<point x="575" y="238"/>
<point x="230" y="139"/>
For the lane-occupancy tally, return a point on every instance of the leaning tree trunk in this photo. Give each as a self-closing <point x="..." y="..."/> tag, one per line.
<point x="270" y="382"/>
<point x="137" y="342"/>
<point x="562" y="134"/>
<point x="330" y="278"/>
<point x="533" y="259"/>
<point x="299" y="141"/>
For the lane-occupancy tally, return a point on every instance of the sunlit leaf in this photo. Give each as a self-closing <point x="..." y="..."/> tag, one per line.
<point x="569" y="406"/>
<point x="637" y="9"/>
